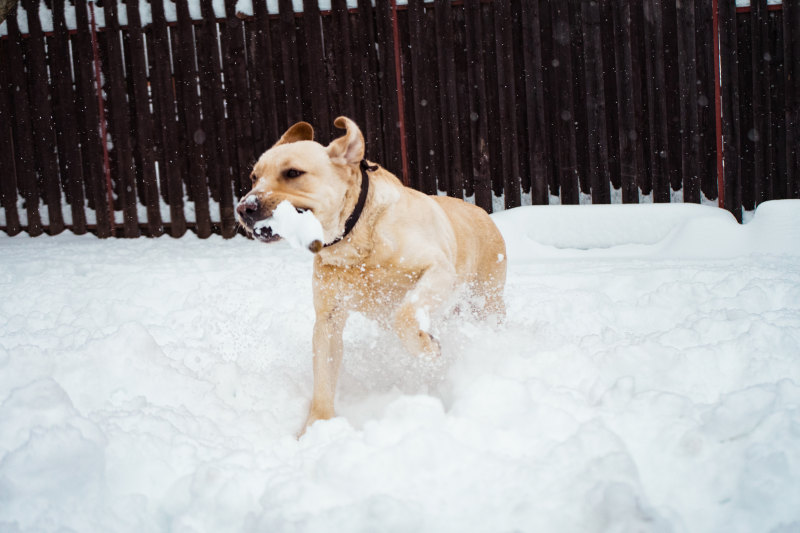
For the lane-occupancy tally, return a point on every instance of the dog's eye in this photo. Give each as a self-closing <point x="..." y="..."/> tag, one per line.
<point x="293" y="173"/>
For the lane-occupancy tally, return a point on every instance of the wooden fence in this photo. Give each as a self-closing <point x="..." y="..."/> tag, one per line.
<point x="152" y="128"/>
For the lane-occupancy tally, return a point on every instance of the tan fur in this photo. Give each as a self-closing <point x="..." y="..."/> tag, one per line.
<point x="405" y="257"/>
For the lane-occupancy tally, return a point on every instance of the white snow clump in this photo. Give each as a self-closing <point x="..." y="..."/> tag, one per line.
<point x="300" y="228"/>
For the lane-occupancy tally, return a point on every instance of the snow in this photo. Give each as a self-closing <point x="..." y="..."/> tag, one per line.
<point x="646" y="379"/>
<point x="301" y="230"/>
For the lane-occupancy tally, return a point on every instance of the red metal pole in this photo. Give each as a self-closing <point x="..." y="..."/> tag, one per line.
<point x="718" y="104"/>
<point x="103" y="131"/>
<point x="400" y="104"/>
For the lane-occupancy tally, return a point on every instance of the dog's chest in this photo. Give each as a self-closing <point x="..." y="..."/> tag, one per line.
<point x="367" y="288"/>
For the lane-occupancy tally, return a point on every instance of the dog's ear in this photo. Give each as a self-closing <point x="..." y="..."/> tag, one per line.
<point x="302" y="131"/>
<point x="349" y="148"/>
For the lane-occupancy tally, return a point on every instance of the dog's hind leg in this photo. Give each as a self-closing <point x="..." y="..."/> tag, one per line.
<point x="489" y="288"/>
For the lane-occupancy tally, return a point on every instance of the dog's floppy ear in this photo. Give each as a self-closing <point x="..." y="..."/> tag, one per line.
<point x="302" y="131"/>
<point x="348" y="149"/>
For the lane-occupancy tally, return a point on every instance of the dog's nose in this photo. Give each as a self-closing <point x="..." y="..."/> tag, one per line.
<point x="248" y="209"/>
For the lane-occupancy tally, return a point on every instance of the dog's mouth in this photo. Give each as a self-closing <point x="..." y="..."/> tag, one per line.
<point x="265" y="234"/>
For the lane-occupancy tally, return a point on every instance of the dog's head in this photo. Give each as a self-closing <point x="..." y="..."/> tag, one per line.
<point x="310" y="176"/>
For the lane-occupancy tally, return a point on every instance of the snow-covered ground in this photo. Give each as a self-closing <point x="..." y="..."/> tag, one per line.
<point x="647" y="379"/>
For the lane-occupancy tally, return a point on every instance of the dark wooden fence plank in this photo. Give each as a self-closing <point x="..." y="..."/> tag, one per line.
<point x="706" y="109"/>
<point x="448" y="98"/>
<point x="639" y="58"/>
<point x="387" y="83"/>
<point x="597" y="146"/>
<point x="212" y="99"/>
<point x="424" y="179"/>
<point x="363" y="28"/>
<point x="687" y="75"/>
<point x="579" y="112"/>
<point x="143" y="121"/>
<point x="265" y="77"/>
<point x="88" y="124"/>
<point x="253" y="41"/>
<point x="777" y="83"/>
<point x="538" y="149"/>
<point x="119" y="122"/>
<point x="478" y="112"/>
<point x="656" y="96"/>
<point x="196" y="136"/>
<point x="520" y="96"/>
<point x="747" y="132"/>
<point x="213" y="102"/>
<point x="791" y="50"/>
<point x="23" y="130"/>
<point x="731" y="125"/>
<point x="263" y="103"/>
<point x="342" y="46"/>
<point x="507" y="102"/>
<point x="65" y="120"/>
<point x="462" y="90"/>
<point x="672" y="92"/>
<point x="164" y="102"/>
<point x="235" y="69"/>
<point x="492" y="100"/>
<point x="550" y="94"/>
<point x="610" y="90"/>
<point x="289" y="55"/>
<point x="46" y="162"/>
<point x="631" y="157"/>
<point x="761" y="101"/>
<point x="8" y="171"/>
<point x="565" y="112"/>
<point x="317" y="71"/>
<point x="408" y="99"/>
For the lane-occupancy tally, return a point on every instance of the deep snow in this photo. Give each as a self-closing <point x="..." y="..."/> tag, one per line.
<point x="647" y="379"/>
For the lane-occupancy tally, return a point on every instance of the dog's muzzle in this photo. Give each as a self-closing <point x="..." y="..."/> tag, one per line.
<point x="250" y="211"/>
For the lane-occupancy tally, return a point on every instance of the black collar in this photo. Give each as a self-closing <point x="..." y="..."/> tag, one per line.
<point x="362" y="199"/>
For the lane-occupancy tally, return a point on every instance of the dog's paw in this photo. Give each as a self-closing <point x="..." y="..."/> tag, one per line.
<point x="429" y="346"/>
<point x="315" y="414"/>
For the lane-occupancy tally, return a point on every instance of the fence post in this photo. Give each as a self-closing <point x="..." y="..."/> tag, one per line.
<point x="103" y="131"/>
<point x="718" y="103"/>
<point x="401" y="113"/>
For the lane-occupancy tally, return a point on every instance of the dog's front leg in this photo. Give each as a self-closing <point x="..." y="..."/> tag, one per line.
<point x="412" y="320"/>
<point x="327" y="360"/>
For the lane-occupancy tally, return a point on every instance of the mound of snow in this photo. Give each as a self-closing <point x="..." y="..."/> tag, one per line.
<point x="647" y="230"/>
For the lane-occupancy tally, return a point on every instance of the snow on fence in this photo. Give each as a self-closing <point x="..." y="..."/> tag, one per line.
<point x="530" y="102"/>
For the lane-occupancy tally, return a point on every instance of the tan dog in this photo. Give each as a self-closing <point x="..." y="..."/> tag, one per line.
<point x="403" y="255"/>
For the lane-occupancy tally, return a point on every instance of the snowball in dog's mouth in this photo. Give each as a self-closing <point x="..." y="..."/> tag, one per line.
<point x="297" y="225"/>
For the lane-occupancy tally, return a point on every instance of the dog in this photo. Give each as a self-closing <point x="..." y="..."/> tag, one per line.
<point x="388" y="251"/>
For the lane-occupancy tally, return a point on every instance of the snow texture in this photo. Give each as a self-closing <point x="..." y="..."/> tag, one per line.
<point x="301" y="230"/>
<point x="647" y="379"/>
